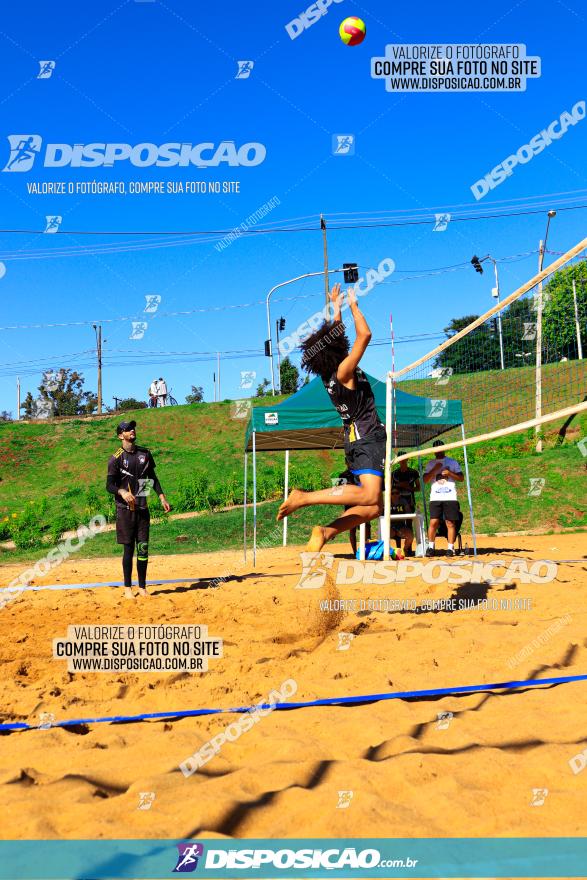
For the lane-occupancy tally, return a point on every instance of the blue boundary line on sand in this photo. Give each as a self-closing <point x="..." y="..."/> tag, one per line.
<point x="330" y="701"/>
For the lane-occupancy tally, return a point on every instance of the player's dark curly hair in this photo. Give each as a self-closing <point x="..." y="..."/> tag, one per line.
<point x="324" y="350"/>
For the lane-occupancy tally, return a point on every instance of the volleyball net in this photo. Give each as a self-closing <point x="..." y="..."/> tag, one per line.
<point x="519" y="371"/>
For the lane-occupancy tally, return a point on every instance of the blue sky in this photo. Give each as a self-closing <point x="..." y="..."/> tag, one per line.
<point x="155" y="72"/>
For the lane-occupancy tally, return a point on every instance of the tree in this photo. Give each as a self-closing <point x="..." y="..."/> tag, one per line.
<point x="289" y="377"/>
<point x="130" y="403"/>
<point x="197" y="395"/>
<point x="559" y="330"/>
<point x="60" y="394"/>
<point x="5" y="416"/>
<point x="263" y="388"/>
<point x="478" y="350"/>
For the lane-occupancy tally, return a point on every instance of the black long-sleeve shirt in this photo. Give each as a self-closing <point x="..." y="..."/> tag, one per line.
<point x="135" y="471"/>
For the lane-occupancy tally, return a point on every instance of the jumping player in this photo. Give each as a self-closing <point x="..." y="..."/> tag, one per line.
<point x="131" y="477"/>
<point x="326" y="354"/>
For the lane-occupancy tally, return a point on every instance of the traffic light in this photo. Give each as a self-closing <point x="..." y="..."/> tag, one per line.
<point x="350" y="272"/>
<point x="268" y="348"/>
<point x="477" y="265"/>
<point x="281" y="324"/>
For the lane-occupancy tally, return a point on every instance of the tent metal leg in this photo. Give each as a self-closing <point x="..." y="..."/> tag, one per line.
<point x="254" y="499"/>
<point x="423" y="490"/>
<point x="285" y="494"/>
<point x="387" y="492"/>
<point x="473" y="535"/>
<point x="245" y="511"/>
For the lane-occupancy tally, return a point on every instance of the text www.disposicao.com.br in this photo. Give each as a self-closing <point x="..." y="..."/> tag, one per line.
<point x="135" y="664"/>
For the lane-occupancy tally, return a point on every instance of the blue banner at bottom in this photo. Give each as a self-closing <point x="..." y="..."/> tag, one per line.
<point x="302" y="858"/>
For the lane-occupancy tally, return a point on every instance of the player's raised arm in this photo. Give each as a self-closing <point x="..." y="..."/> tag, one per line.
<point x="347" y="367"/>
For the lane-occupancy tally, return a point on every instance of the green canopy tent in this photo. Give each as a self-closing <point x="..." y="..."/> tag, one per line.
<point x="308" y="420"/>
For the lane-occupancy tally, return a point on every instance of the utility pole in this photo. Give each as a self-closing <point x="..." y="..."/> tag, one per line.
<point x="539" y="310"/>
<point x="116" y="399"/>
<point x="325" y="246"/>
<point x="98" y="330"/>
<point x="17" y="398"/>
<point x="214" y="380"/>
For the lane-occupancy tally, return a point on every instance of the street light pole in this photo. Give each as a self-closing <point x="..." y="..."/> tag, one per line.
<point x="539" y="308"/>
<point x="267" y="304"/>
<point x="498" y="314"/>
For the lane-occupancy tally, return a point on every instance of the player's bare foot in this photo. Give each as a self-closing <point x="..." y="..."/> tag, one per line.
<point x="143" y="593"/>
<point x="128" y="593"/>
<point x="317" y="539"/>
<point x="294" y="501"/>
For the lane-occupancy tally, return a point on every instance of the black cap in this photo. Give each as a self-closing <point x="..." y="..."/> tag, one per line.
<point x="438" y="443"/>
<point x="125" y="426"/>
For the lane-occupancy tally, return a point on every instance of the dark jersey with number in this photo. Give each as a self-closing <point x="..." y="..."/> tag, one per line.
<point x="356" y="408"/>
<point x="135" y="471"/>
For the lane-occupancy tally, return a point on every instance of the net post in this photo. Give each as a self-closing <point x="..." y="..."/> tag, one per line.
<point x="387" y="477"/>
<point x="285" y="492"/>
<point x="472" y="518"/>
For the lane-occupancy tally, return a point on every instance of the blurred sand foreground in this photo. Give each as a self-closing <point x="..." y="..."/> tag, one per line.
<point x="409" y="774"/>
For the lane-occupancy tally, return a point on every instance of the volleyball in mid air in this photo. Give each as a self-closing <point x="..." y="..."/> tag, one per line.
<point x="352" y="31"/>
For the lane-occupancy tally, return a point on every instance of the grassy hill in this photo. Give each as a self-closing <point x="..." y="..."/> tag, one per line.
<point x="53" y="474"/>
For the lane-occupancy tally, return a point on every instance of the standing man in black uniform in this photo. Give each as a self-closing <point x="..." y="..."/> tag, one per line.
<point x="131" y="477"/>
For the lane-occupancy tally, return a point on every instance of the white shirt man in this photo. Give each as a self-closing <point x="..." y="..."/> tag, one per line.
<point x="162" y="392"/>
<point x="443" y="473"/>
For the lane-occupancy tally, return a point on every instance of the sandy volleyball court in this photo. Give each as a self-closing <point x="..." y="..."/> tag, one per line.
<point x="409" y="775"/>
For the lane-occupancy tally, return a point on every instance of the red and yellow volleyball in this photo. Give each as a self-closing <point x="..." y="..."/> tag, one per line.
<point x="352" y="31"/>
